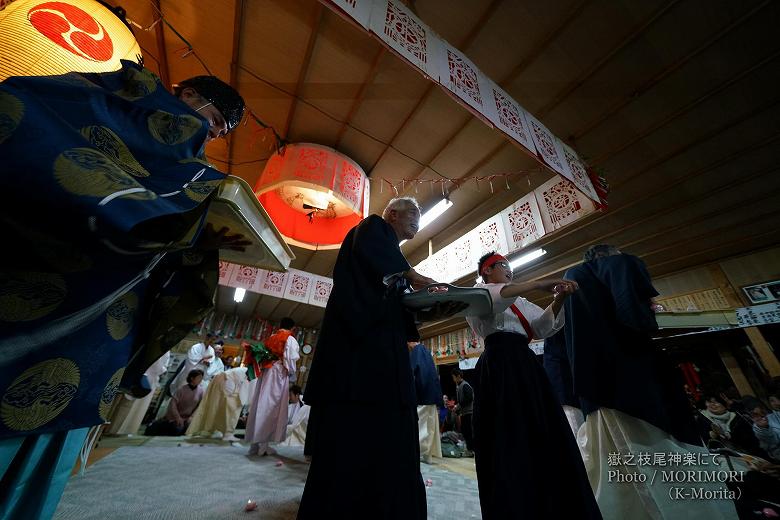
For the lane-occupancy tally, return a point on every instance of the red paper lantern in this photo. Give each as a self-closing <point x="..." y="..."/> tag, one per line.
<point x="314" y="194"/>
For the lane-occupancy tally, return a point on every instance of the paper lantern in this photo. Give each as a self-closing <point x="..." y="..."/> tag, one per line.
<point x="314" y="194"/>
<point x="47" y="38"/>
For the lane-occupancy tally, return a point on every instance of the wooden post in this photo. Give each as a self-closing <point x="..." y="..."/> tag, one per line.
<point x="735" y="371"/>
<point x="764" y="351"/>
<point x="757" y="340"/>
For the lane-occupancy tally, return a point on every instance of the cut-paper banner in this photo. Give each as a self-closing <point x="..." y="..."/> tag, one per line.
<point x="272" y="284"/>
<point x="545" y="143"/>
<point x="321" y="291"/>
<point x="560" y="203"/>
<point x="522" y="222"/>
<point x="406" y="34"/>
<point x="576" y="171"/>
<point x="358" y="10"/>
<point x="299" y="286"/>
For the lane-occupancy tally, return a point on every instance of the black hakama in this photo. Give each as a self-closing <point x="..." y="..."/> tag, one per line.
<point x="528" y="463"/>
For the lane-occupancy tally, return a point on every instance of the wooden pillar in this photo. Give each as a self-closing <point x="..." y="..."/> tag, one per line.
<point x="757" y="340"/>
<point x="764" y="351"/>
<point x="735" y="371"/>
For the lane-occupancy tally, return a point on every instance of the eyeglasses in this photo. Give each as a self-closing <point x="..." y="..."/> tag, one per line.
<point x="502" y="264"/>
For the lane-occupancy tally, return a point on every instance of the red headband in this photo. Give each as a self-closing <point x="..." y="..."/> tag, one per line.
<point x="490" y="262"/>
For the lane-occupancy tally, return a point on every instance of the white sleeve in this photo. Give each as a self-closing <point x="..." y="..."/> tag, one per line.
<point x="215" y="367"/>
<point x="291" y="354"/>
<point x="500" y="303"/>
<point x="543" y="322"/>
<point x="195" y="354"/>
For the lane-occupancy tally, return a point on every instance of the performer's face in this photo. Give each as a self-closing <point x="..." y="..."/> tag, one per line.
<point x="500" y="272"/>
<point x="406" y="222"/>
<point x="217" y="124"/>
<point x="774" y="403"/>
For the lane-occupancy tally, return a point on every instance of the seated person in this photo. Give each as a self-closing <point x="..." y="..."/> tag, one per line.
<point x="221" y="406"/>
<point x="774" y="402"/>
<point x="718" y="425"/>
<point x="181" y="408"/>
<point x="298" y="418"/>
<point x="766" y="427"/>
<point x="294" y="404"/>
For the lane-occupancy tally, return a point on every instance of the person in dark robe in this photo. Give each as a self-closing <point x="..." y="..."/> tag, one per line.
<point x="556" y="364"/>
<point x="528" y="464"/>
<point x="362" y="344"/>
<point x="632" y="398"/>
<point x="427" y="389"/>
<point x="108" y="191"/>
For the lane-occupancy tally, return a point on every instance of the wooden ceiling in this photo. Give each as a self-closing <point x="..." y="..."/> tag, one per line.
<point x="676" y="101"/>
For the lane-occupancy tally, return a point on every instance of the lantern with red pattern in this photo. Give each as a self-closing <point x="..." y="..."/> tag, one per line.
<point x="39" y="38"/>
<point x="314" y="194"/>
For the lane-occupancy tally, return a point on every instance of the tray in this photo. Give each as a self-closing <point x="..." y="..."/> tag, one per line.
<point x="235" y="206"/>
<point x="478" y="300"/>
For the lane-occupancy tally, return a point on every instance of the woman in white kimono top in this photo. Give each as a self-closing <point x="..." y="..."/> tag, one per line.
<point x="528" y="463"/>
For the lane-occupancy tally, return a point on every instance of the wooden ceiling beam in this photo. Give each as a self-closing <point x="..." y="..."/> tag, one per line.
<point x="748" y="238"/>
<point x="588" y="221"/>
<point x="470" y="37"/>
<point x="632" y="35"/>
<point x="684" y="109"/>
<point x="545" y="42"/>
<point x="518" y="69"/>
<point x="159" y="33"/>
<point x="547" y="268"/>
<point x="235" y="58"/>
<point x="316" y="20"/>
<point x="370" y="75"/>
<point x="699" y="140"/>
<point x="650" y="217"/>
<point x="577" y="226"/>
<point x="666" y="72"/>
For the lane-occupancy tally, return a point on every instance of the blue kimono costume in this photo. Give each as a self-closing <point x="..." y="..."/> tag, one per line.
<point x="106" y="192"/>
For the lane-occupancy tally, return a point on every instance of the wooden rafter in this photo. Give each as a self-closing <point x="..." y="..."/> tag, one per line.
<point x="159" y="32"/>
<point x="235" y="56"/>
<point x="316" y="20"/>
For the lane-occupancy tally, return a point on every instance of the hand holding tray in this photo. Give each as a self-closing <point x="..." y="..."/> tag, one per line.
<point x="477" y="301"/>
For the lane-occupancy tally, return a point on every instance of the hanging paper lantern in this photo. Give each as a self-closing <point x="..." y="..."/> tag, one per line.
<point x="314" y="194"/>
<point x="40" y="38"/>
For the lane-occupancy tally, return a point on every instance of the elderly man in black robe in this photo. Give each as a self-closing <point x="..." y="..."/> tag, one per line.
<point x="361" y="375"/>
<point x="628" y="393"/>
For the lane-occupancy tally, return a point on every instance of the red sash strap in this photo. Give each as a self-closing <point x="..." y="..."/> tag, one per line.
<point x="524" y="322"/>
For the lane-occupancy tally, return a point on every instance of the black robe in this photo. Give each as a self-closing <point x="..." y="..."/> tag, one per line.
<point x="609" y="327"/>
<point x="361" y="374"/>
<point x="556" y="364"/>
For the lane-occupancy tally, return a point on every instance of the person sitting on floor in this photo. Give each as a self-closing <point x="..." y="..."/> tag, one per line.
<point x="766" y="427"/>
<point x="719" y="425"/>
<point x="181" y="408"/>
<point x="298" y="419"/>
<point x="294" y="403"/>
